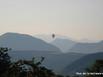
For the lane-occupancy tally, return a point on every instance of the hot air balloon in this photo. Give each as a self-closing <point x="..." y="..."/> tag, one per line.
<point x="53" y="35"/>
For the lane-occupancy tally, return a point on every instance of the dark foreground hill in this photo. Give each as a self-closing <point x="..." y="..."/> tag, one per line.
<point x="83" y="63"/>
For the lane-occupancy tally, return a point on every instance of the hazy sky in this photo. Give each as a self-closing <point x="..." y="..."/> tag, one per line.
<point x="77" y="19"/>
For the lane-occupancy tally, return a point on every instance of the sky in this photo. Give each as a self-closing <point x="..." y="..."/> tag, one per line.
<point x="78" y="19"/>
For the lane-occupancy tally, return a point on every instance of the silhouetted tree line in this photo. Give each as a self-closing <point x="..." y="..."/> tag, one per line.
<point x="22" y="68"/>
<point x="28" y="68"/>
<point x="97" y="67"/>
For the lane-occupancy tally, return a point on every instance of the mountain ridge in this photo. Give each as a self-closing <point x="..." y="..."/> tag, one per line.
<point x="87" y="47"/>
<point x="18" y="41"/>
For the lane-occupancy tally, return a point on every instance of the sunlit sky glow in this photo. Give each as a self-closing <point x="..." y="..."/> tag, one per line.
<point x="77" y="19"/>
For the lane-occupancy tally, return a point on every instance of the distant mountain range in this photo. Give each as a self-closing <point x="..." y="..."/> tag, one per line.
<point x="81" y="64"/>
<point x="68" y="45"/>
<point x="87" y="47"/>
<point x="63" y="44"/>
<point x="23" y="42"/>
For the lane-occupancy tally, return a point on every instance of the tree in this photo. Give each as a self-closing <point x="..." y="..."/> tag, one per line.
<point x="96" y="68"/>
<point x="22" y="68"/>
<point x="4" y="61"/>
